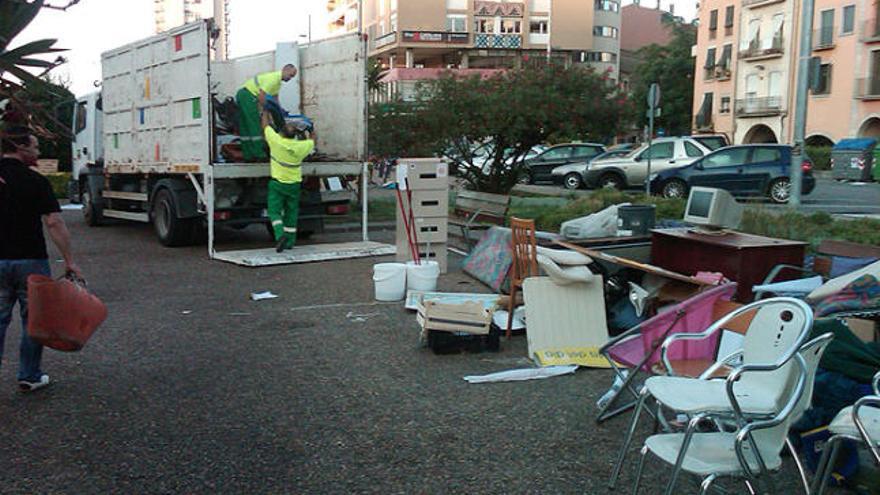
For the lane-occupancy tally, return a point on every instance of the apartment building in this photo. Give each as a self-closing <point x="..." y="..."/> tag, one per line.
<point x="482" y="34"/>
<point x="168" y="14"/>
<point x="748" y="91"/>
<point x="641" y="26"/>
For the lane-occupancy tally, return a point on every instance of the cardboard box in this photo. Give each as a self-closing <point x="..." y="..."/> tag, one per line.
<point x="424" y="174"/>
<point x="428" y="229"/>
<point x="468" y="317"/>
<point x="864" y="329"/>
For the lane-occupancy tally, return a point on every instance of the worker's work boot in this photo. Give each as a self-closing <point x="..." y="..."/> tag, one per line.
<point x="281" y="245"/>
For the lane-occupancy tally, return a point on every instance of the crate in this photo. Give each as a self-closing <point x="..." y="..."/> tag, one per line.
<point x="426" y="174"/>
<point x="428" y="229"/>
<point x="437" y="252"/>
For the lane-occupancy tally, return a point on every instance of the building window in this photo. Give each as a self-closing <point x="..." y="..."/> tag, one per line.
<point x="510" y="26"/>
<point x="382" y="7"/>
<point x="539" y="6"/>
<point x="607" y="57"/>
<point x="849" y="19"/>
<point x="394" y="22"/>
<point x="485" y="25"/>
<point x="724" y="107"/>
<point x="710" y="63"/>
<point x="393" y="5"/>
<point x="826" y="28"/>
<point x="713" y="20"/>
<point x="728" y="16"/>
<point x="607" y="5"/>
<point x="824" y="82"/>
<point x="456" y="23"/>
<point x="538" y="26"/>
<point x="605" y="31"/>
<point x="724" y="62"/>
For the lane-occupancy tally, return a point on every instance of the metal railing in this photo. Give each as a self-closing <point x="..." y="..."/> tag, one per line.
<point x="765" y="105"/>
<point x="868" y="88"/>
<point x="482" y="40"/>
<point x="755" y="49"/>
<point x="870" y="30"/>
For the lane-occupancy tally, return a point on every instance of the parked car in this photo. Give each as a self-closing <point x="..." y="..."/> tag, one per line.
<point x="712" y="141"/>
<point x="632" y="169"/>
<point x="540" y="168"/>
<point x="571" y="176"/>
<point x="745" y="170"/>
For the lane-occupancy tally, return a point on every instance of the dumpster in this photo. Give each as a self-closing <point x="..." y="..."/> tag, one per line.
<point x="853" y="159"/>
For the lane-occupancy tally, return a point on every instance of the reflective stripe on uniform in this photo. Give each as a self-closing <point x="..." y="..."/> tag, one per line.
<point x="291" y="230"/>
<point x="252" y="138"/>
<point x="285" y="164"/>
<point x="276" y="222"/>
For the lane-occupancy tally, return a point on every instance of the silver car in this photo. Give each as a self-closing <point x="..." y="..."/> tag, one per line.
<point x="632" y="170"/>
<point x="571" y="175"/>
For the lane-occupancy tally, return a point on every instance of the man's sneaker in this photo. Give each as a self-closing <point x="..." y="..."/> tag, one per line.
<point x="29" y="386"/>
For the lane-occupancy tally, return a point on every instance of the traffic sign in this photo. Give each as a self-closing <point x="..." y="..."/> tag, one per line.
<point x="654" y="95"/>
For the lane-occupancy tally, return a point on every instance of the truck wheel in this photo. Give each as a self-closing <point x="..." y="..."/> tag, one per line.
<point x="170" y="230"/>
<point x="73" y="191"/>
<point x="92" y="214"/>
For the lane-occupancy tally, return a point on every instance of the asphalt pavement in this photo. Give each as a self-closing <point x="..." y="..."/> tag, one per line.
<point x="191" y="387"/>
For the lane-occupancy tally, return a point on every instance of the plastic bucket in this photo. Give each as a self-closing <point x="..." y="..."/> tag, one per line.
<point x="635" y="220"/>
<point x="422" y="277"/>
<point x="389" y="280"/>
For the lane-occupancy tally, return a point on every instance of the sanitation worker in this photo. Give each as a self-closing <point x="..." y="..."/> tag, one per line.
<point x="27" y="204"/>
<point x="250" y="99"/>
<point x="287" y="151"/>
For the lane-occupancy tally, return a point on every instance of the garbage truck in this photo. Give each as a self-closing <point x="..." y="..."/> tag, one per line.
<point x="156" y="143"/>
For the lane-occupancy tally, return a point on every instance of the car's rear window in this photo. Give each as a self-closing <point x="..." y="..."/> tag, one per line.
<point x="711" y="142"/>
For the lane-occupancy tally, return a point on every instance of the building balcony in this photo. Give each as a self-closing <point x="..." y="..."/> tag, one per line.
<point x="383" y="41"/>
<point x="823" y="38"/>
<point x="756" y="51"/>
<point x="754" y="4"/>
<point x="868" y="88"/>
<point x="870" y="31"/>
<point x="483" y="40"/>
<point x="759" y="106"/>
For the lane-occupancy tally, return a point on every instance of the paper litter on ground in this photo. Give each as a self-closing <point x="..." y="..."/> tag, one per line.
<point x="259" y="296"/>
<point x="522" y="375"/>
<point x="499" y="318"/>
<point x="71" y="206"/>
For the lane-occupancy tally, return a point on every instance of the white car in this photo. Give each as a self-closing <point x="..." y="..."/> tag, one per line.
<point x="632" y="170"/>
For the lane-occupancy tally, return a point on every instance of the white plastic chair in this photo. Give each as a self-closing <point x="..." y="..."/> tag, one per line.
<point x="860" y="423"/>
<point x="777" y="330"/>
<point x="753" y="450"/>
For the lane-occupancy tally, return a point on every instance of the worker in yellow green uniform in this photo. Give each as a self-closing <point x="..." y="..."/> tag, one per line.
<point x="287" y="150"/>
<point x="250" y="99"/>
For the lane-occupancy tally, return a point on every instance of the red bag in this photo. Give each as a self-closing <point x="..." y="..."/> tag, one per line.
<point x="62" y="314"/>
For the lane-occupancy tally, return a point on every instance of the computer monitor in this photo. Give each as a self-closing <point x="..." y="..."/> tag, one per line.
<point x="712" y="209"/>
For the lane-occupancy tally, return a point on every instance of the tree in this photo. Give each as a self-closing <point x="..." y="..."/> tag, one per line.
<point x="503" y="115"/>
<point x="17" y="81"/>
<point x="672" y="67"/>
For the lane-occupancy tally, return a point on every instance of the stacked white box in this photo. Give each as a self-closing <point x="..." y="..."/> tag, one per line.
<point x="428" y="181"/>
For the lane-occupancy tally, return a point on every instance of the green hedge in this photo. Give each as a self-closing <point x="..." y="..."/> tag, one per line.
<point x="821" y="156"/>
<point x="59" y="182"/>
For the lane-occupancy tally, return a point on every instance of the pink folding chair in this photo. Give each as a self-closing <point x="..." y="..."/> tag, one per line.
<point x="638" y="349"/>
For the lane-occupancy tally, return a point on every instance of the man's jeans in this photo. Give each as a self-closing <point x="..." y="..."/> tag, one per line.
<point x="13" y="287"/>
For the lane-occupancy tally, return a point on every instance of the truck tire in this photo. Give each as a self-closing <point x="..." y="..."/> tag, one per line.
<point x="92" y="213"/>
<point x="74" y="192"/>
<point x="171" y="230"/>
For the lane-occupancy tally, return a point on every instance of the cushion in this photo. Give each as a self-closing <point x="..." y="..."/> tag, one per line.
<point x="837" y="284"/>
<point x="565" y="275"/>
<point x="565" y="257"/>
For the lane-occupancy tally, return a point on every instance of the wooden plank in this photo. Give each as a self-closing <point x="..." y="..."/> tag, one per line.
<point x="127" y="215"/>
<point x="501" y="199"/>
<point x="848" y="249"/>
<point x="632" y="264"/>
<point x="131" y="196"/>
<point x="306" y="254"/>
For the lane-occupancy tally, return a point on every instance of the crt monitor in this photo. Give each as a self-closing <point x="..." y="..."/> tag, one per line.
<point x="712" y="209"/>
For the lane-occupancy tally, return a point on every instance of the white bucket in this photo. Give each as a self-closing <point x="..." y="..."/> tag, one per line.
<point x="390" y="281"/>
<point x="422" y="277"/>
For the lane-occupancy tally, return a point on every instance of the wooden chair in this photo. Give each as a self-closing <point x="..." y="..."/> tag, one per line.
<point x="525" y="261"/>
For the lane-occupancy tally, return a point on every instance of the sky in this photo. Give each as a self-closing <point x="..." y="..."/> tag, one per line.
<point x="94" y="26"/>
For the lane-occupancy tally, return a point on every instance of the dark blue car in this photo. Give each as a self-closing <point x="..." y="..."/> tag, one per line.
<point x="750" y="170"/>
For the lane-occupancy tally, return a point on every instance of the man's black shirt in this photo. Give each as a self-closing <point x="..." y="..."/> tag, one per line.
<point x="25" y="196"/>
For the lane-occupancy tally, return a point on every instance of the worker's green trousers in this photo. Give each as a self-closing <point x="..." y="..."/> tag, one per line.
<point x="284" y="210"/>
<point x="253" y="144"/>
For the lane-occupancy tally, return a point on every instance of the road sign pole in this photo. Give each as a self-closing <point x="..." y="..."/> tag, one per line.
<point x="653" y="101"/>
<point x="800" y="110"/>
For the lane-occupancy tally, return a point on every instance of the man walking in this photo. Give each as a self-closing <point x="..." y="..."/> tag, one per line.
<point x="250" y="99"/>
<point x="27" y="203"/>
<point x="287" y="152"/>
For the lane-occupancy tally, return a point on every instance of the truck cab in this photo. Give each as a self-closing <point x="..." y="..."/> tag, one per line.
<point x="87" y="145"/>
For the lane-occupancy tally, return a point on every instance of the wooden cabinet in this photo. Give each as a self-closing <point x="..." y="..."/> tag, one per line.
<point x="743" y="258"/>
